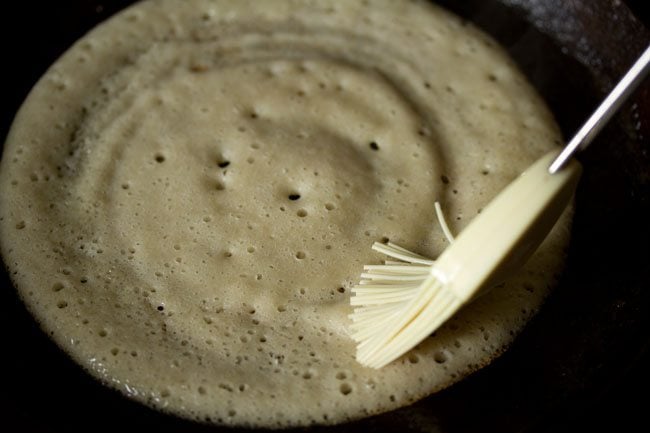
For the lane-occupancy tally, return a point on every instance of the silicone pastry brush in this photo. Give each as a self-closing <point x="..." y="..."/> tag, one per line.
<point x="400" y="303"/>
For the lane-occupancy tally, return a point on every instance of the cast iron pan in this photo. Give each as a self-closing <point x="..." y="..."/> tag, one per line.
<point x="580" y="362"/>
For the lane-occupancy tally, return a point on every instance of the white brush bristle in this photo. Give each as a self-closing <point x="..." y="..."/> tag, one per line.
<point x="398" y="304"/>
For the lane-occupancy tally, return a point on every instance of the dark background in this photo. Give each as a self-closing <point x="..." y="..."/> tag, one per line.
<point x="594" y="389"/>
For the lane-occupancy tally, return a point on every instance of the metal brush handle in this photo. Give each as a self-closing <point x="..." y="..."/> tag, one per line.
<point x="605" y="111"/>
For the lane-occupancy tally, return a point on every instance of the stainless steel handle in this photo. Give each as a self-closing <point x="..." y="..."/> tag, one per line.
<point x="605" y="111"/>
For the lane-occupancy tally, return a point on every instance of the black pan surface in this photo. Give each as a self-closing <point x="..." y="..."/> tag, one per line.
<point x="581" y="363"/>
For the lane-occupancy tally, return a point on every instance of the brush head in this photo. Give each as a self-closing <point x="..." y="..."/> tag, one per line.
<point x="401" y="303"/>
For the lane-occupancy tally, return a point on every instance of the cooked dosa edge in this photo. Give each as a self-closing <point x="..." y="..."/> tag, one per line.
<point x="188" y="194"/>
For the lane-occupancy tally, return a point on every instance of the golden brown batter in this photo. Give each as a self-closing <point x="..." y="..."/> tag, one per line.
<point x="188" y="193"/>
